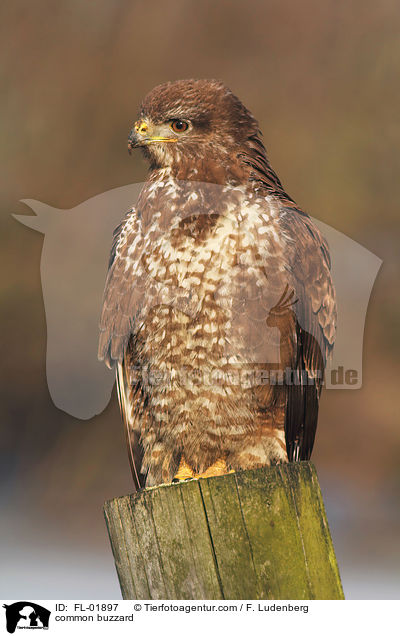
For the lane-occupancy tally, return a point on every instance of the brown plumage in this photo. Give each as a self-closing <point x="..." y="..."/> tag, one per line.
<point x="219" y="309"/>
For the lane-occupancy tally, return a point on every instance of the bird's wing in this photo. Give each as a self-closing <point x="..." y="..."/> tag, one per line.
<point x="131" y="402"/>
<point x="123" y="295"/>
<point x="315" y="329"/>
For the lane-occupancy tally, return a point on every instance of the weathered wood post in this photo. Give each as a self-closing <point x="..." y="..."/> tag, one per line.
<point x="257" y="534"/>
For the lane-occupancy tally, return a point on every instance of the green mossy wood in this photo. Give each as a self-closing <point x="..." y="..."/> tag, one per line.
<point x="256" y="534"/>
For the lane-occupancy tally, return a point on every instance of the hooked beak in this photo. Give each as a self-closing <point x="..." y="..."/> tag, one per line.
<point x="141" y="135"/>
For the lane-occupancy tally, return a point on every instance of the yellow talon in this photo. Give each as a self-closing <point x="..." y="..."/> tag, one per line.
<point x="218" y="468"/>
<point x="184" y="472"/>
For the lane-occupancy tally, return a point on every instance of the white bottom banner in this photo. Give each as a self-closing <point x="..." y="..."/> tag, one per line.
<point x="232" y="617"/>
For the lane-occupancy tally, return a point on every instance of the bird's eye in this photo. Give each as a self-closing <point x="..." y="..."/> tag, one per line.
<point x="179" y="126"/>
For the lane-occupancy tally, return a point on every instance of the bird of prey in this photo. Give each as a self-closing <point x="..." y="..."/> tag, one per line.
<point x="219" y="310"/>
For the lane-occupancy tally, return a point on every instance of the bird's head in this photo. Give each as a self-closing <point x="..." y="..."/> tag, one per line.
<point x="182" y="123"/>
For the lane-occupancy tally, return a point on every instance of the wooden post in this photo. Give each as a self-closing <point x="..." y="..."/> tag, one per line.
<point x="256" y="534"/>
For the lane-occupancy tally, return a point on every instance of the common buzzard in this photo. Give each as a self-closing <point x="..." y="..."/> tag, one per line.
<point x="219" y="310"/>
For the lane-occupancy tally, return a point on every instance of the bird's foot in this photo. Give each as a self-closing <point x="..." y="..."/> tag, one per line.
<point x="184" y="472"/>
<point x="218" y="468"/>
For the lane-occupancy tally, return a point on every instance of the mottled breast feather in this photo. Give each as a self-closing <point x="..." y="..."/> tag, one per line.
<point x="209" y="282"/>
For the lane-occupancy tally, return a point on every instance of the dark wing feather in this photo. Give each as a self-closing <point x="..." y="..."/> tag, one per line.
<point x="129" y="409"/>
<point x="132" y="440"/>
<point x="315" y="330"/>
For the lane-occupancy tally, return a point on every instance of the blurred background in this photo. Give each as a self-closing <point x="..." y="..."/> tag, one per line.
<point x="323" y="80"/>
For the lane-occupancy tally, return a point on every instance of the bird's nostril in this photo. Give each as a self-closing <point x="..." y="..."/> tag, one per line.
<point x="141" y="127"/>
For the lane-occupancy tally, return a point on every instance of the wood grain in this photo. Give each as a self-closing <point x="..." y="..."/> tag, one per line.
<point x="257" y="534"/>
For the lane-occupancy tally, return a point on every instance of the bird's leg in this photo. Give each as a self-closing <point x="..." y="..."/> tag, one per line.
<point x="218" y="468"/>
<point x="184" y="472"/>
